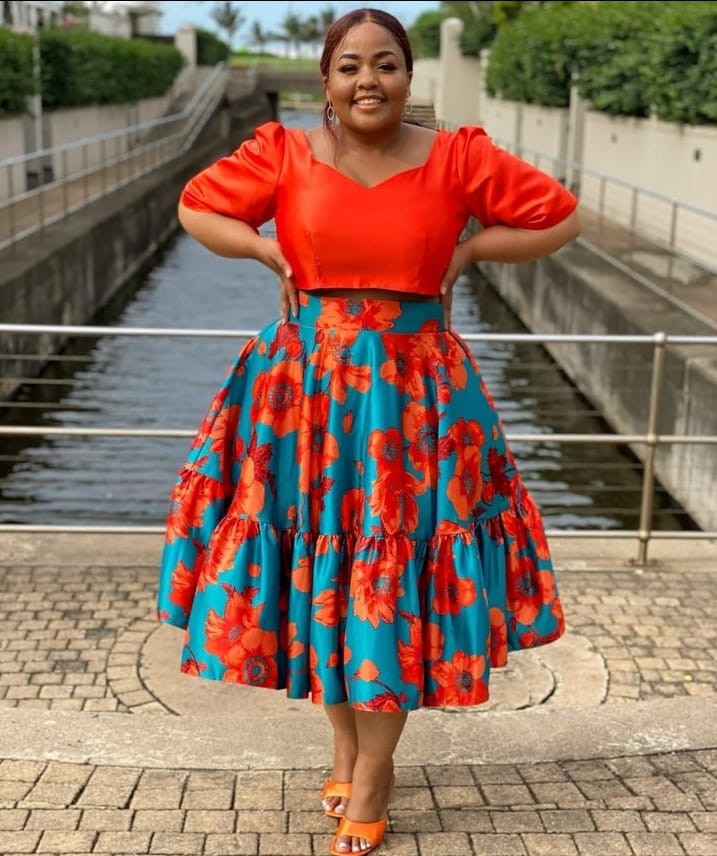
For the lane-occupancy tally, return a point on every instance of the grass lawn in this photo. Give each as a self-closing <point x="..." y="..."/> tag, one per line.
<point x="273" y="59"/>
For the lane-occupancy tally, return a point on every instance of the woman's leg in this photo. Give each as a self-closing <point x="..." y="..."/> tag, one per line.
<point x="378" y="736"/>
<point x="343" y="723"/>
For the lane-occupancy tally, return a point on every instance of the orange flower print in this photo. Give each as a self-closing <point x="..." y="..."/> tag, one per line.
<point x="352" y="510"/>
<point x="317" y="688"/>
<point x="191" y="497"/>
<point x="528" y="590"/>
<point x="445" y="366"/>
<point x="367" y="671"/>
<point x="290" y="641"/>
<point x="287" y="337"/>
<point x="253" y="660"/>
<point x="223" y="632"/>
<point x="213" y="410"/>
<point x="352" y="314"/>
<point x="500" y="480"/>
<point x="433" y="641"/>
<point x="410" y="654"/>
<point x="316" y="449"/>
<point x="452" y="593"/>
<point x="386" y="448"/>
<point x="464" y="487"/>
<point x="498" y="637"/>
<point x="404" y="369"/>
<point x="375" y="588"/>
<point x="393" y="501"/>
<point x="467" y="437"/>
<point x="193" y="667"/>
<point x="330" y="606"/>
<point x="420" y="428"/>
<point x="301" y="574"/>
<point x="342" y="371"/>
<point x="277" y="397"/>
<point x="529" y="525"/>
<point x="460" y="680"/>
<point x="385" y="702"/>
<point x="254" y="477"/>
<point x="183" y="585"/>
<point x="222" y="432"/>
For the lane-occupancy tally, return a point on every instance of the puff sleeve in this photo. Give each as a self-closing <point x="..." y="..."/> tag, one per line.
<point x="502" y="188"/>
<point x="244" y="184"/>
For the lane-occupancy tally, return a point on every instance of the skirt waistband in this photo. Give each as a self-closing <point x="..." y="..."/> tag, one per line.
<point x="363" y="313"/>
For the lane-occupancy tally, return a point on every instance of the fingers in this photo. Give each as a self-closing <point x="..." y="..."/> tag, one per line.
<point x="288" y="299"/>
<point x="447" y="301"/>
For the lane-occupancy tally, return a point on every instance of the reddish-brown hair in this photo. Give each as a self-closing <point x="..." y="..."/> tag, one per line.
<point x="338" y="30"/>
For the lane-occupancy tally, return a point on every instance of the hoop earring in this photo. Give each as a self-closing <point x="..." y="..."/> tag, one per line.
<point x="330" y="114"/>
<point x="407" y="106"/>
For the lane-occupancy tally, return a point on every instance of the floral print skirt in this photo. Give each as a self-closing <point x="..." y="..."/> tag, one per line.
<point x="349" y="524"/>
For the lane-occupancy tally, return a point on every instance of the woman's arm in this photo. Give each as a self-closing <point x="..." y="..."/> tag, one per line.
<point x="225" y="236"/>
<point x="507" y="244"/>
<point x="235" y="239"/>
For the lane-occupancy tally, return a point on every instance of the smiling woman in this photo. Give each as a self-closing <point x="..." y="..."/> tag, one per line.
<point x="350" y="524"/>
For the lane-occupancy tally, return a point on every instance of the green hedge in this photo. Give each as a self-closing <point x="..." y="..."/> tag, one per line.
<point x="210" y="49"/>
<point x="81" y="68"/>
<point x="628" y="58"/>
<point x="16" y="76"/>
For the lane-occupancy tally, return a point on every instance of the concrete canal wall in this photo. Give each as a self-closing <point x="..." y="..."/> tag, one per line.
<point x="68" y="272"/>
<point x="575" y="292"/>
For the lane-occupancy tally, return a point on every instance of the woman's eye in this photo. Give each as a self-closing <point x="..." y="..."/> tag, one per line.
<point x="347" y="69"/>
<point x="387" y="66"/>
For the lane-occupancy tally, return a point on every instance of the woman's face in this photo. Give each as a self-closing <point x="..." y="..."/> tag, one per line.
<point x="368" y="82"/>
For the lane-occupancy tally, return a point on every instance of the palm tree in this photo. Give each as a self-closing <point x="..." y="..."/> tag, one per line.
<point x="311" y="32"/>
<point x="327" y="17"/>
<point x="228" y="17"/>
<point x="259" y="37"/>
<point x="293" y="27"/>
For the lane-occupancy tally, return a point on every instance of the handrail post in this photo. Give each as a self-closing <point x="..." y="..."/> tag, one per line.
<point x="65" y="185"/>
<point x="11" y="203"/>
<point x="673" y="238"/>
<point x="651" y="442"/>
<point x="601" y="203"/>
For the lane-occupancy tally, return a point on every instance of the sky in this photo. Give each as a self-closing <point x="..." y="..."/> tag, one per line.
<point x="270" y="14"/>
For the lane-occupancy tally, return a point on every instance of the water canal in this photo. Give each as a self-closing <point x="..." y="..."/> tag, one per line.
<point x="122" y="381"/>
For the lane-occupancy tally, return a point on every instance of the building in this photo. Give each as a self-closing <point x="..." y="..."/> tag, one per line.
<point x="124" y="19"/>
<point x="31" y="15"/>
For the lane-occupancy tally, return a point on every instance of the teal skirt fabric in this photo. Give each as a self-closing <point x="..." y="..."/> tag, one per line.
<point x="349" y="524"/>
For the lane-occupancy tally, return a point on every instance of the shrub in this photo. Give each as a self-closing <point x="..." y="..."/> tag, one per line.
<point x="17" y="80"/>
<point x="81" y="68"/>
<point x="210" y="48"/>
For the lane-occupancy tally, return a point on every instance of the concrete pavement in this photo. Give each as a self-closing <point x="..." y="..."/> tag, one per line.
<point x="602" y="743"/>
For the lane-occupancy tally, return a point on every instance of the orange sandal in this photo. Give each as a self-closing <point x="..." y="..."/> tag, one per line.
<point x="342" y="790"/>
<point x="373" y="832"/>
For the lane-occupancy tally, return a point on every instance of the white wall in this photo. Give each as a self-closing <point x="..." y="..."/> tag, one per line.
<point x="12" y="143"/>
<point x="670" y="161"/>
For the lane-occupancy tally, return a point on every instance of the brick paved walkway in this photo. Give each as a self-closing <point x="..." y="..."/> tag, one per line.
<point x="95" y="757"/>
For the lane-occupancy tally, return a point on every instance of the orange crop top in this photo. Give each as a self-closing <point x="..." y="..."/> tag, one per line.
<point x="399" y="234"/>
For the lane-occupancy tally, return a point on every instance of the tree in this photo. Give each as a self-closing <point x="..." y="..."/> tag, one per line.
<point x="311" y="32"/>
<point x="327" y="16"/>
<point x="293" y="31"/>
<point x="259" y="37"/>
<point x="228" y="17"/>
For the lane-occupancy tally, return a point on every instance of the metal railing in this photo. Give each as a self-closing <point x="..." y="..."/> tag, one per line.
<point x="680" y="232"/>
<point x="92" y="167"/>
<point x="649" y="439"/>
